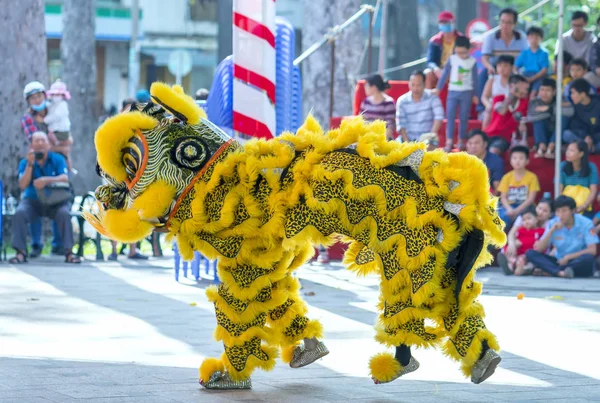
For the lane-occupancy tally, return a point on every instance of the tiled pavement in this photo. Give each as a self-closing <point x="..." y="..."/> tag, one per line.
<point x="127" y="332"/>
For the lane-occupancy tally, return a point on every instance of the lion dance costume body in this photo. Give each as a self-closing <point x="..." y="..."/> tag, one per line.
<point x="422" y="221"/>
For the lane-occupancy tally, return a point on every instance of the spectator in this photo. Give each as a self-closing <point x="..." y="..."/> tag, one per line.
<point x="525" y="237"/>
<point x="584" y="116"/>
<point x="574" y="241"/>
<point x="202" y="94"/>
<point x="577" y="70"/>
<point x="440" y="47"/>
<point x="596" y="222"/>
<point x="543" y="212"/>
<point x="33" y="119"/>
<point x="58" y="120"/>
<point x="593" y="76"/>
<point x="477" y="144"/>
<point x="507" y="113"/>
<point x="496" y="85"/>
<point x="541" y="112"/>
<point x="40" y="169"/>
<point x="461" y="68"/>
<point x="31" y="122"/>
<point x="534" y="61"/>
<point x="431" y="140"/>
<point x="142" y="96"/>
<point x="506" y="41"/>
<point x="418" y="111"/>
<point x="577" y="41"/>
<point x="378" y="104"/>
<point x="518" y="187"/>
<point x="567" y="59"/>
<point x="579" y="177"/>
<point x="133" y="247"/>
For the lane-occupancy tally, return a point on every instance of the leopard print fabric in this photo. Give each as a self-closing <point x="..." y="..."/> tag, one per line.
<point x="238" y="354"/>
<point x="364" y="256"/>
<point x="278" y="312"/>
<point x="415" y="327"/>
<point x="466" y="333"/>
<point x="236" y="329"/>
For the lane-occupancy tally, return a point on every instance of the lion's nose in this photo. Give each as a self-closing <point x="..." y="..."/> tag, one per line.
<point x="110" y="197"/>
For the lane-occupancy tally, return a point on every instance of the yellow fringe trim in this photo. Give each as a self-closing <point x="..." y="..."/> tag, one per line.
<point x="407" y="337"/>
<point x="209" y="366"/>
<point x="384" y="367"/>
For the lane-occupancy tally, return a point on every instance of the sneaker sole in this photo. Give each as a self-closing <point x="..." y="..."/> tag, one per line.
<point x="412" y="366"/>
<point x="317" y="357"/>
<point x="489" y="371"/>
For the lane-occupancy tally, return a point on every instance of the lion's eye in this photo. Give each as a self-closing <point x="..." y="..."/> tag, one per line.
<point x="189" y="152"/>
<point x="132" y="156"/>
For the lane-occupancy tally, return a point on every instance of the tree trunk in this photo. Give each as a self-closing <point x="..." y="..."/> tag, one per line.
<point x="78" y="55"/>
<point x="321" y="16"/>
<point x="23" y="58"/>
<point x="404" y="38"/>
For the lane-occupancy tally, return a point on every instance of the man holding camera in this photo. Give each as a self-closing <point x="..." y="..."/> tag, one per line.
<point x="45" y="184"/>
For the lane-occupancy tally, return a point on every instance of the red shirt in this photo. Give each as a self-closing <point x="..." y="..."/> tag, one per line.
<point x="505" y="125"/>
<point x="528" y="237"/>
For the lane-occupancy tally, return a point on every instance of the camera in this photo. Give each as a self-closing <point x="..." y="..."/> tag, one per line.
<point x="38" y="155"/>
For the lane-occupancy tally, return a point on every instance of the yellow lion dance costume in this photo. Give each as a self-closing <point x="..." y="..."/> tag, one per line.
<point x="422" y="221"/>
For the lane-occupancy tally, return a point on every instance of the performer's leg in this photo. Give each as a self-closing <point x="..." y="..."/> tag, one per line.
<point x="401" y="323"/>
<point x="242" y="303"/>
<point x="470" y="342"/>
<point x="290" y="321"/>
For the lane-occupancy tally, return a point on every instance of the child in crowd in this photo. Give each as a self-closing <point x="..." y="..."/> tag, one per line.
<point x="525" y="237"/>
<point x="533" y="62"/>
<point x="57" y="119"/>
<point x="496" y="85"/>
<point x="518" y="187"/>
<point x="461" y="68"/>
<point x="577" y="70"/>
<point x="584" y="116"/>
<point x="541" y="113"/>
<point x="507" y="114"/>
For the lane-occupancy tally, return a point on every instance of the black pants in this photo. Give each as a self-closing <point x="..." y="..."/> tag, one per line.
<point x="29" y="210"/>
<point x="583" y="266"/>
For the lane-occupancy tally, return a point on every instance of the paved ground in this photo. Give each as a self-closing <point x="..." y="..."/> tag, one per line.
<point x="112" y="332"/>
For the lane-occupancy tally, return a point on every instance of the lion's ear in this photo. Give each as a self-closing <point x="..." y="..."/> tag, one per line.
<point x="173" y="99"/>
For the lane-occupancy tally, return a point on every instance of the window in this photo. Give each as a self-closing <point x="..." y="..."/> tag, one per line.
<point x="202" y="10"/>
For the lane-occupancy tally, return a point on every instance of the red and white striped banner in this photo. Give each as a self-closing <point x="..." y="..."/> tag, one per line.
<point x="254" y="67"/>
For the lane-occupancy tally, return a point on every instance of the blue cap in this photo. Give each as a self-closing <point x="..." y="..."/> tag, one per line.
<point x="142" y="96"/>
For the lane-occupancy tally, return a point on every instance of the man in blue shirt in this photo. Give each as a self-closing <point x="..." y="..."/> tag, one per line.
<point x="574" y="239"/>
<point x="40" y="169"/>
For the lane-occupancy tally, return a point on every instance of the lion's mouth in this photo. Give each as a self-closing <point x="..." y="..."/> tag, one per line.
<point x="96" y="217"/>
